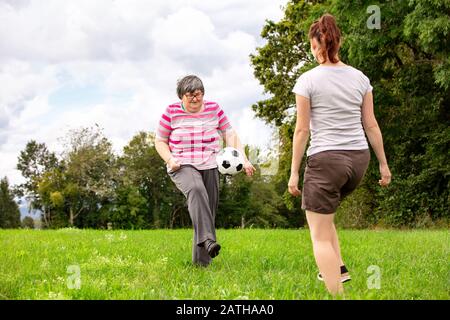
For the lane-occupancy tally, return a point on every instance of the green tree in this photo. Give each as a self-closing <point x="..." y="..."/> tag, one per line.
<point x="144" y="175"/>
<point x="56" y="194"/>
<point x="129" y="209"/>
<point x="234" y="199"/>
<point x="28" y="222"/>
<point x="33" y="162"/>
<point x="90" y="175"/>
<point x="250" y="201"/>
<point x="9" y="210"/>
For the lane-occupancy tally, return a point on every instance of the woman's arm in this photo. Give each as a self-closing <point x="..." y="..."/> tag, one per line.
<point x="373" y="133"/>
<point x="232" y="140"/>
<point x="301" y="136"/>
<point x="164" y="152"/>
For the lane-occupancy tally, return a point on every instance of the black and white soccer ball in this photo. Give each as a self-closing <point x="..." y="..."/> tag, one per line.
<point x="230" y="161"/>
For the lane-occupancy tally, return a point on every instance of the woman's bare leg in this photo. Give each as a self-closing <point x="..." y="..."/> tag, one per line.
<point x="336" y="245"/>
<point x="322" y="235"/>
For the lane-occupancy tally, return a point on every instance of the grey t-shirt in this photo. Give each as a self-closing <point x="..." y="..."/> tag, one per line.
<point x="336" y="95"/>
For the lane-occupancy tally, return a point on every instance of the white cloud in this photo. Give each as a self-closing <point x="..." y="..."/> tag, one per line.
<point x="132" y="52"/>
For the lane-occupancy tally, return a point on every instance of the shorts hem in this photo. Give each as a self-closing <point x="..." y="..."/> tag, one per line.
<point x="320" y="211"/>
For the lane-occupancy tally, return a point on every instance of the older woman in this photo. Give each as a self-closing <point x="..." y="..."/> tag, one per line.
<point x="187" y="140"/>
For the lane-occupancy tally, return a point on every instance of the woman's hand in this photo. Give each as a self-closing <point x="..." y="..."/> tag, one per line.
<point x="293" y="185"/>
<point x="385" y="175"/>
<point x="249" y="168"/>
<point x="173" y="165"/>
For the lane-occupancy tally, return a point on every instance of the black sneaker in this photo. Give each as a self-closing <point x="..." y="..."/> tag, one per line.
<point x="213" y="248"/>
<point x="344" y="279"/>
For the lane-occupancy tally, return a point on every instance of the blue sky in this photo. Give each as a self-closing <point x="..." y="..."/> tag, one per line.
<point x="72" y="95"/>
<point x="68" y="64"/>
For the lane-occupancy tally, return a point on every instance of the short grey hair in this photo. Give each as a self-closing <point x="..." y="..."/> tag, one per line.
<point x="189" y="84"/>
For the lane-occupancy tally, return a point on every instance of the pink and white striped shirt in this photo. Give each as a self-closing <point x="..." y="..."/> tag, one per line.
<point x="193" y="138"/>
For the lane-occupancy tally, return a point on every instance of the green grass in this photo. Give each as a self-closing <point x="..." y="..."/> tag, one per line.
<point x="253" y="264"/>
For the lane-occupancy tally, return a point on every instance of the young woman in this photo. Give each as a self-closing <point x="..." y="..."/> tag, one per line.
<point x="334" y="103"/>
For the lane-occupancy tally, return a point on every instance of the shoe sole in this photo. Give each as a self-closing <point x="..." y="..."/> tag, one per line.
<point x="214" y="252"/>
<point x="343" y="279"/>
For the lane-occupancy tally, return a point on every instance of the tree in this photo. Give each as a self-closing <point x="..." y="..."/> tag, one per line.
<point x="89" y="176"/>
<point x="56" y="193"/>
<point x="250" y="201"/>
<point x="143" y="174"/>
<point x="75" y="192"/>
<point x="129" y="209"/>
<point x="32" y="163"/>
<point x="28" y="223"/>
<point x="9" y="210"/>
<point x="407" y="60"/>
<point x="279" y="63"/>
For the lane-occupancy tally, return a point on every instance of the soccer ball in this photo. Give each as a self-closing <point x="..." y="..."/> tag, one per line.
<point x="230" y="161"/>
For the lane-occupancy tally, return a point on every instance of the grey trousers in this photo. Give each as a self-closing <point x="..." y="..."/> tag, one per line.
<point x="201" y="189"/>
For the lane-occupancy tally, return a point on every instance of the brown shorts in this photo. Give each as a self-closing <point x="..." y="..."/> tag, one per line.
<point x="330" y="176"/>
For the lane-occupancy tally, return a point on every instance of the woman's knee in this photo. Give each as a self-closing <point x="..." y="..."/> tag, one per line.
<point x="197" y="189"/>
<point x="321" y="226"/>
<point x="322" y="235"/>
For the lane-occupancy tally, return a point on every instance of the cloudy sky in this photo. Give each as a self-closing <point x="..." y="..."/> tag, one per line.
<point x="73" y="63"/>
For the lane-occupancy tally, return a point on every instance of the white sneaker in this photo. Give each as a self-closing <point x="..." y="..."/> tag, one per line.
<point x="344" y="279"/>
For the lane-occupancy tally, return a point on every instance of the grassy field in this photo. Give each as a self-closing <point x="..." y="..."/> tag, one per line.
<point x="253" y="264"/>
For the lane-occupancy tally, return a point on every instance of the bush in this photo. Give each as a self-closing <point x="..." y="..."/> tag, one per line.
<point x="356" y="210"/>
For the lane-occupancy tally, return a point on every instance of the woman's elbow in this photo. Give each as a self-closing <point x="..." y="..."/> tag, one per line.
<point x="159" y="144"/>
<point x="370" y="125"/>
<point x="301" y="132"/>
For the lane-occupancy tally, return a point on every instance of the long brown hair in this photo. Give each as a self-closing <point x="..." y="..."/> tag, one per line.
<point x="328" y="35"/>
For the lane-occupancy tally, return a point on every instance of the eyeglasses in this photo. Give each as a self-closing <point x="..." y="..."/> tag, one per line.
<point x="191" y="97"/>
